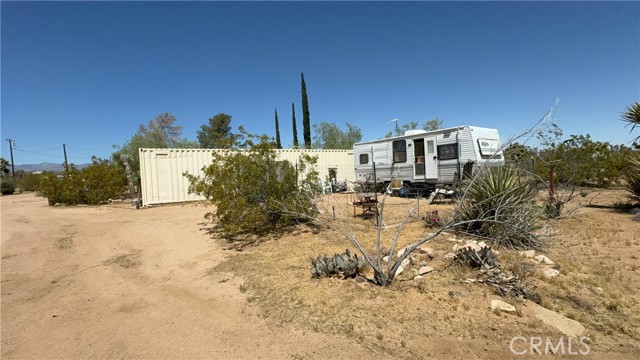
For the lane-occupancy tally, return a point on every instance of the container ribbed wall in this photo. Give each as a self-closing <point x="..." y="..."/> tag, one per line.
<point x="162" y="180"/>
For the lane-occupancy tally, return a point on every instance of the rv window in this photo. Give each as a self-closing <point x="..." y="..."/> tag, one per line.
<point x="364" y="158"/>
<point x="448" y="152"/>
<point x="400" y="151"/>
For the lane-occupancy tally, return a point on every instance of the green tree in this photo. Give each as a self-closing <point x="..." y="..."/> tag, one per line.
<point x="410" y="126"/>
<point x="295" y="126"/>
<point x="278" y="143"/>
<point x="306" y="121"/>
<point x="431" y="125"/>
<point x="4" y="165"/>
<point x="329" y="136"/>
<point x="632" y="116"/>
<point x="253" y="192"/>
<point x="216" y="135"/>
<point x="161" y="132"/>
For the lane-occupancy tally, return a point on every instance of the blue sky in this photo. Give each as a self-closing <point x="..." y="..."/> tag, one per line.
<point x="88" y="73"/>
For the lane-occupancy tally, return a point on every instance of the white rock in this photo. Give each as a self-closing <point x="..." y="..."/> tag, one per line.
<point x="386" y="258"/>
<point x="405" y="263"/>
<point x="425" y="270"/>
<point x="550" y="273"/>
<point x="503" y="306"/>
<point x="543" y="259"/>
<point x="423" y="263"/>
<point x="482" y="244"/>
<point x="449" y="256"/>
<point x="418" y="277"/>
<point x="565" y="325"/>
<point x="399" y="271"/>
<point x="528" y="253"/>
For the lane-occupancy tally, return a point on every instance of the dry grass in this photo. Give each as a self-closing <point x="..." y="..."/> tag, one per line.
<point x="595" y="251"/>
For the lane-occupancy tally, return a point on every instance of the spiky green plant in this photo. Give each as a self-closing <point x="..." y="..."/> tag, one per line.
<point x="632" y="116"/>
<point x="342" y="265"/>
<point x="633" y="178"/>
<point x="498" y="205"/>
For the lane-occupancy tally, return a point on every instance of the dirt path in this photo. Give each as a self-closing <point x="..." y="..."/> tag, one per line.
<point x="113" y="282"/>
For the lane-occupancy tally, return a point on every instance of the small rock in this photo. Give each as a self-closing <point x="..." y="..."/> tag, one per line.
<point x="361" y="279"/>
<point x="58" y="204"/>
<point x="543" y="259"/>
<point x="470" y="281"/>
<point x="528" y="253"/>
<point x="423" y="263"/>
<point x="449" y="256"/>
<point x="482" y="244"/>
<point x="503" y="306"/>
<point x="399" y="271"/>
<point x="598" y="290"/>
<point x="425" y="270"/>
<point x="550" y="273"/>
<point x="405" y="263"/>
<point x="428" y="251"/>
<point x="418" y="277"/>
<point x="386" y="258"/>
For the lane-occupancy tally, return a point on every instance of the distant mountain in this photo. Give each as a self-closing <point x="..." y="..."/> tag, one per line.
<point x="45" y="166"/>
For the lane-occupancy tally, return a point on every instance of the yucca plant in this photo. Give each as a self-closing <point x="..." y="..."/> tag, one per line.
<point x="633" y="178"/>
<point x="632" y="116"/>
<point x="498" y="205"/>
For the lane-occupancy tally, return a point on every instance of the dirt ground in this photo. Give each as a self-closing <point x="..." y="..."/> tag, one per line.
<point x="114" y="282"/>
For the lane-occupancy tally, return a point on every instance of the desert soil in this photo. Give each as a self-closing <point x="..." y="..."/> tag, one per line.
<point x="115" y="282"/>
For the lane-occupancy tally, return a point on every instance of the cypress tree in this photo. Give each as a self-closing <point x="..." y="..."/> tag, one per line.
<point x="306" y="122"/>
<point x="278" y="144"/>
<point x="295" y="128"/>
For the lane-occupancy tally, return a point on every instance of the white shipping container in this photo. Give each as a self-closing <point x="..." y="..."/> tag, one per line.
<point x="161" y="170"/>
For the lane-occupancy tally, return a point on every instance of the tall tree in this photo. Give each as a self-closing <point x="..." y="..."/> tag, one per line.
<point x="306" y="121"/>
<point x="632" y="116"/>
<point x="329" y="136"/>
<point x="278" y="143"/>
<point x="161" y="132"/>
<point x="434" y="124"/>
<point x="295" y="126"/>
<point x="216" y="135"/>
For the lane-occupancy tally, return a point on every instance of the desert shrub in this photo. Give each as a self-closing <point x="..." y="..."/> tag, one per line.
<point x="253" y="192"/>
<point x="498" y="204"/>
<point x="7" y="187"/>
<point x="94" y="184"/>
<point x="633" y="178"/>
<point x="28" y="181"/>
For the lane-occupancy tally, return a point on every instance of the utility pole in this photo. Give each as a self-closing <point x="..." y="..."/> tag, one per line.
<point x="13" y="172"/>
<point x="66" y="164"/>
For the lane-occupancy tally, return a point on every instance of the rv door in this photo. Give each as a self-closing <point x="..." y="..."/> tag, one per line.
<point x="426" y="162"/>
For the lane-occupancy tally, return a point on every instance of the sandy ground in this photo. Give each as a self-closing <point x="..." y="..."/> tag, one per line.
<point x="114" y="282"/>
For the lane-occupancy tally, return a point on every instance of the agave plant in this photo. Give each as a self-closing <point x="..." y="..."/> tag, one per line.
<point x="342" y="265"/>
<point x="499" y="205"/>
<point x="477" y="259"/>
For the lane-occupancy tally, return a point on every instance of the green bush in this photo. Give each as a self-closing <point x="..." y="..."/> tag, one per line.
<point x="94" y="184"/>
<point x="253" y="192"/>
<point x="7" y="186"/>
<point x="28" y="181"/>
<point x="498" y="205"/>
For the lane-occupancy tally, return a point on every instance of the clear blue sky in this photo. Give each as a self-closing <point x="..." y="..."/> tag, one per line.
<point x="88" y="73"/>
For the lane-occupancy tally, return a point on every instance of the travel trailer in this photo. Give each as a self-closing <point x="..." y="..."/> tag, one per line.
<point x="421" y="160"/>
